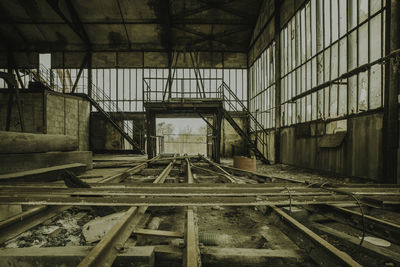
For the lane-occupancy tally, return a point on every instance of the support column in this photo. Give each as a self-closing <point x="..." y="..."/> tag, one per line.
<point x="218" y="127"/>
<point x="90" y="75"/>
<point x="277" y="55"/>
<point x="391" y="105"/>
<point x="151" y="133"/>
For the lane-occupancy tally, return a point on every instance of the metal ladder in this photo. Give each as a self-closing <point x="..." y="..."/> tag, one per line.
<point x="256" y="128"/>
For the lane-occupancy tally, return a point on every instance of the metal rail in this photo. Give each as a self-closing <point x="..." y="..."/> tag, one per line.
<point x="192" y="252"/>
<point x="106" y="251"/>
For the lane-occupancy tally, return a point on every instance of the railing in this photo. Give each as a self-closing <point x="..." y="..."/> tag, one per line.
<point x="179" y="89"/>
<point x="255" y="127"/>
<point x="110" y="106"/>
<point x="47" y="77"/>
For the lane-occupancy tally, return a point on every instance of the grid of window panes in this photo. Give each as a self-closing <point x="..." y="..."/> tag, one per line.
<point x="262" y="88"/>
<point x="125" y="89"/>
<point x="324" y="40"/>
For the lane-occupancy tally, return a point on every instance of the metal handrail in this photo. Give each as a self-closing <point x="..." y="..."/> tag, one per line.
<point x="148" y="91"/>
<point x="46" y="76"/>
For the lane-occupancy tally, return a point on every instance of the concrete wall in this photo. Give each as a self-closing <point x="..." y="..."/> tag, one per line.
<point x="360" y="154"/>
<point x="49" y="112"/>
<point x="68" y="115"/>
<point x="104" y="137"/>
<point x="231" y="142"/>
<point x="32" y="107"/>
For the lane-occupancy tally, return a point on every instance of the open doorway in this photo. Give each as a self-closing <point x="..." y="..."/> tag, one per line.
<point x="181" y="135"/>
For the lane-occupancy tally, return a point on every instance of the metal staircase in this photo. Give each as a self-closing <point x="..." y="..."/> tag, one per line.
<point x="102" y="102"/>
<point x="256" y="128"/>
<point x="108" y="116"/>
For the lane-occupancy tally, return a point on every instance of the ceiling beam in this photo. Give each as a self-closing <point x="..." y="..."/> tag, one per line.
<point x="123" y="22"/>
<point x="6" y="16"/>
<point x="203" y="21"/>
<point x="222" y="6"/>
<point x="212" y="37"/>
<point x="75" y="24"/>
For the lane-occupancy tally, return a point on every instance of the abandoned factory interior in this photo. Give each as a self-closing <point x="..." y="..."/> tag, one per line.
<point x="199" y="133"/>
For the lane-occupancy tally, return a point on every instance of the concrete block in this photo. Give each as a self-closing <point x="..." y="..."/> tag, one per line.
<point x="22" y="162"/>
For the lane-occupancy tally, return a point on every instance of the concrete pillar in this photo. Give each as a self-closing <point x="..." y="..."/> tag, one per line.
<point x="391" y="105"/>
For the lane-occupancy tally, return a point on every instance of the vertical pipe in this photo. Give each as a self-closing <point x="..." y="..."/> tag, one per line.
<point x="391" y="108"/>
<point x="277" y="81"/>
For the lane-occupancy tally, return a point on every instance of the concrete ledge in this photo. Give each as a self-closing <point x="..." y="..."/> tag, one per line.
<point x="10" y="163"/>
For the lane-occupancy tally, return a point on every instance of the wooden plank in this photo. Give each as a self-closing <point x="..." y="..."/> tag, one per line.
<point x="13" y="230"/>
<point x="192" y="254"/>
<point x="21" y="216"/>
<point x="183" y="201"/>
<point x="163" y="256"/>
<point x="48" y="174"/>
<point x="216" y="256"/>
<point x="158" y="233"/>
<point x="321" y="251"/>
<point x="106" y="251"/>
<point x="71" y="256"/>
<point x="378" y="256"/>
<point x="31" y="220"/>
<point x="381" y="228"/>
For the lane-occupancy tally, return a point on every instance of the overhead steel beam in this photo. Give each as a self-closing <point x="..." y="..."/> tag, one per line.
<point x="209" y="37"/>
<point x="76" y="24"/>
<point x="222" y="6"/>
<point x="83" y="65"/>
<point x="124" y="24"/>
<point x="204" y="21"/>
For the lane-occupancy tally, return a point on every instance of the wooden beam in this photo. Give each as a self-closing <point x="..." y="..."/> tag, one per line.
<point x="381" y="228"/>
<point x="186" y="201"/>
<point x="158" y="233"/>
<point x="192" y="256"/>
<point x="376" y="256"/>
<point x="43" y="174"/>
<point x="106" y="251"/>
<point x="321" y="251"/>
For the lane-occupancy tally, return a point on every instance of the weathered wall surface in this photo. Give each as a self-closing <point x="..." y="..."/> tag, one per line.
<point x="68" y="115"/>
<point x="265" y="29"/>
<point x="360" y="154"/>
<point x="231" y="142"/>
<point x="104" y="137"/>
<point x="49" y="112"/>
<point x="32" y="107"/>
